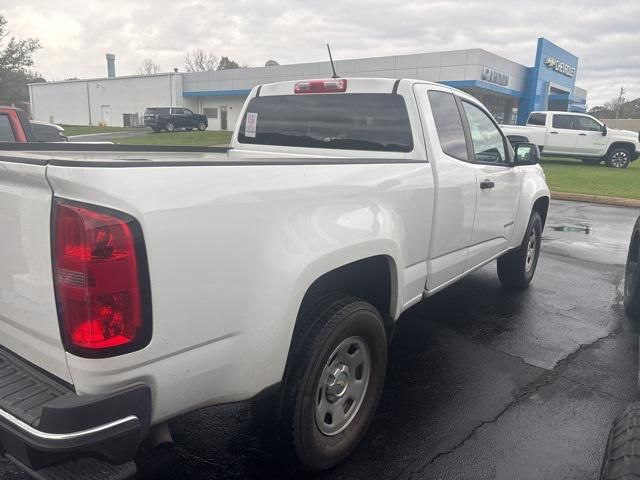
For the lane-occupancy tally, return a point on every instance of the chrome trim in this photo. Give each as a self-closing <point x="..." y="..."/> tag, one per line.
<point x="62" y="437"/>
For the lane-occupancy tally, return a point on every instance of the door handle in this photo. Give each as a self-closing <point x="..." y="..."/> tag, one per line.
<point x="487" y="184"/>
<point x="553" y="133"/>
<point x="582" y="134"/>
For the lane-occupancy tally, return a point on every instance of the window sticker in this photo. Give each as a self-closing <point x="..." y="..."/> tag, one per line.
<point x="251" y="125"/>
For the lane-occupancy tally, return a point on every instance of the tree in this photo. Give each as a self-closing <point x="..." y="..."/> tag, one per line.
<point x="148" y="67"/>
<point x="16" y="56"/>
<point x="200" y="61"/>
<point x="227" y="64"/>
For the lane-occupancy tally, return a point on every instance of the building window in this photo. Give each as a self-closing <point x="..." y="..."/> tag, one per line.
<point x="210" y="112"/>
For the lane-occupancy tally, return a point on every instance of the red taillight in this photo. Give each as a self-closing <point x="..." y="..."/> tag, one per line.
<point x="101" y="280"/>
<point x="321" y="86"/>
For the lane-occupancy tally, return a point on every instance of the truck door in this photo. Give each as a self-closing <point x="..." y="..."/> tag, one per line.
<point x="455" y="181"/>
<point x="590" y="139"/>
<point x="562" y="135"/>
<point x="497" y="187"/>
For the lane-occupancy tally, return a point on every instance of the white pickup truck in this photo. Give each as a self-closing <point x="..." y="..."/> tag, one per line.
<point x="132" y="291"/>
<point x="577" y="135"/>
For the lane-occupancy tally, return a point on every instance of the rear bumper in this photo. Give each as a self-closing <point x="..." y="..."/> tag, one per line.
<point x="43" y="423"/>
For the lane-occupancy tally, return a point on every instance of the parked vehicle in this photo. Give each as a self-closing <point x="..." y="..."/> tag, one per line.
<point x="138" y="290"/>
<point x="632" y="274"/>
<point x="48" y="132"/>
<point x="15" y="126"/>
<point x="621" y="457"/>
<point x="174" y="118"/>
<point x="577" y="135"/>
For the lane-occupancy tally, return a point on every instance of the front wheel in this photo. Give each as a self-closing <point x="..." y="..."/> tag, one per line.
<point x="334" y="383"/>
<point x="202" y="127"/>
<point x="516" y="268"/>
<point x="618" y="158"/>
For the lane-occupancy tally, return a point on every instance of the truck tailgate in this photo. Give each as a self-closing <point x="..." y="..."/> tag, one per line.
<point x="28" y="316"/>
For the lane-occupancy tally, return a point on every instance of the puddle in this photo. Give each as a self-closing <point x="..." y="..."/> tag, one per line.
<point x="586" y="229"/>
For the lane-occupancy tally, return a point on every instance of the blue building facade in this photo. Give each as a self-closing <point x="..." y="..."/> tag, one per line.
<point x="551" y="82"/>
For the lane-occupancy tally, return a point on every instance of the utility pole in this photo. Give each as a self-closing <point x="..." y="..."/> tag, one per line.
<point x="622" y="92"/>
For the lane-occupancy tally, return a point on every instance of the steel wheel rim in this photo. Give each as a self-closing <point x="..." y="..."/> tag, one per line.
<point x="170" y="127"/>
<point x="619" y="159"/>
<point x="342" y="386"/>
<point x="531" y="251"/>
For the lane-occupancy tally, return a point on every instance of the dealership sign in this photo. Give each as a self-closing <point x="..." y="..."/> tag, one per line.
<point x="561" y="67"/>
<point x="493" y="76"/>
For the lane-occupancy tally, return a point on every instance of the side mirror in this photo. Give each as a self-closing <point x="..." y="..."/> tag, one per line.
<point x="604" y="130"/>
<point x="526" y="154"/>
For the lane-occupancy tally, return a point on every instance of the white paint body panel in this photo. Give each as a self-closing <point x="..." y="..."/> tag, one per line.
<point x="232" y="248"/>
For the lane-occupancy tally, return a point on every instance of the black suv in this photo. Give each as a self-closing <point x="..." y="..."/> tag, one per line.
<point x="172" y="118"/>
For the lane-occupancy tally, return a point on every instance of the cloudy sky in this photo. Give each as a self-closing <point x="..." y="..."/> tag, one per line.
<point x="76" y="34"/>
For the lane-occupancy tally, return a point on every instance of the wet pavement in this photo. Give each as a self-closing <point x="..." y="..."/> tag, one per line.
<point x="482" y="383"/>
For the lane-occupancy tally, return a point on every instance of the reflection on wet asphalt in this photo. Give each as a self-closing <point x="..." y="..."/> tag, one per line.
<point x="482" y="383"/>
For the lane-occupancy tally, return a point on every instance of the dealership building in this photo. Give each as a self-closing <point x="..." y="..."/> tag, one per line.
<point x="508" y="89"/>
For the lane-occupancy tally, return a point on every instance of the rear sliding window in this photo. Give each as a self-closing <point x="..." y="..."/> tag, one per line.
<point x="6" y="132"/>
<point x="355" y="121"/>
<point x="537" y="119"/>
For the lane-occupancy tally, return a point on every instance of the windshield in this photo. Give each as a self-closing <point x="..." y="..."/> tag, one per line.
<point x="377" y="122"/>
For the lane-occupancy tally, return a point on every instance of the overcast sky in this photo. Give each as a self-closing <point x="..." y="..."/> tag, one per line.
<point x="76" y="34"/>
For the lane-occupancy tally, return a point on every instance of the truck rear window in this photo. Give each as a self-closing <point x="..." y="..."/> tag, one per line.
<point x="355" y="121"/>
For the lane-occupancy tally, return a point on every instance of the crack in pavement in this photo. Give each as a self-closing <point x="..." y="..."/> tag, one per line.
<point x="541" y="382"/>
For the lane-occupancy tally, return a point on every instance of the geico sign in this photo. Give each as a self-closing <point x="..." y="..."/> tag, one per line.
<point x="492" y="76"/>
<point x="558" y="66"/>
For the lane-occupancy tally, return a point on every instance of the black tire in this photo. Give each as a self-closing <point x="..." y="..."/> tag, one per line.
<point x="621" y="457"/>
<point x="591" y="161"/>
<point x="632" y="274"/>
<point x="202" y="126"/>
<point x="618" y="158"/>
<point x="516" y="268"/>
<point x="334" y="323"/>
<point x="170" y="127"/>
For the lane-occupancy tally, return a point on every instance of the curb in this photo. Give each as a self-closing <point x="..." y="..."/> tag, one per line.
<point x="580" y="197"/>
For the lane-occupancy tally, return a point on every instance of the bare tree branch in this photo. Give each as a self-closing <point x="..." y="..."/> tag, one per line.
<point x="148" y="67"/>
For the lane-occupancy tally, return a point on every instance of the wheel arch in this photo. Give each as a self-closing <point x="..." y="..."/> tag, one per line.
<point x="541" y="205"/>
<point x="621" y="144"/>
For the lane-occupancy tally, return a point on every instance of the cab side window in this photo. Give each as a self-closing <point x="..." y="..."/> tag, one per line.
<point x="6" y="132"/>
<point x="488" y="142"/>
<point x="448" y="124"/>
<point x="564" y="122"/>
<point x="587" y="124"/>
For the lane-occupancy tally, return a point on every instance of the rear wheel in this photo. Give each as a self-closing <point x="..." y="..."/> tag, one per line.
<point x="170" y="127"/>
<point x="632" y="274"/>
<point x="334" y="382"/>
<point x="622" y="458"/>
<point x="619" y="158"/>
<point x="516" y="268"/>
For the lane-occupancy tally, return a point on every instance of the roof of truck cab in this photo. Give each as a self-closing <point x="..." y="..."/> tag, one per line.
<point x="354" y="85"/>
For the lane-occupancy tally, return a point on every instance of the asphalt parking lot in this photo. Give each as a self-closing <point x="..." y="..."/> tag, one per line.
<point x="482" y="383"/>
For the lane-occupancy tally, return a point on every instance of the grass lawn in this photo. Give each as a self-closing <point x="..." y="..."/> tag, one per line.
<point x="194" y="138"/>
<point x="572" y="176"/>
<point x="70" y="130"/>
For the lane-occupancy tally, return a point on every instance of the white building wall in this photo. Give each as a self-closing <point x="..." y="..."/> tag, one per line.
<point x="90" y="102"/>
<point x="60" y="102"/>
